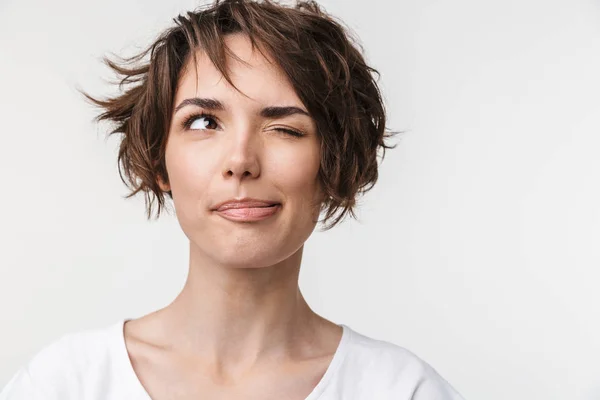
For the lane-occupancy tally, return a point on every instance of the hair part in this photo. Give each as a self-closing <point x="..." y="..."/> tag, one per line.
<point x="317" y="54"/>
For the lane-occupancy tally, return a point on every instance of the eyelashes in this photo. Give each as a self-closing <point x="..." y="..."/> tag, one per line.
<point x="187" y="123"/>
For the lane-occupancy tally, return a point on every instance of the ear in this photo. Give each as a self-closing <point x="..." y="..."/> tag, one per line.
<point x="165" y="187"/>
<point x="321" y="197"/>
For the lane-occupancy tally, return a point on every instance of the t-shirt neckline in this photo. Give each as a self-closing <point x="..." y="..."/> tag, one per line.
<point x="331" y="370"/>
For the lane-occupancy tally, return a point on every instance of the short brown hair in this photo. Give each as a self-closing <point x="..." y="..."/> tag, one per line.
<point x="319" y="57"/>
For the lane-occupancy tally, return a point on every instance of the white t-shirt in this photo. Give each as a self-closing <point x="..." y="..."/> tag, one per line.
<point x="94" y="365"/>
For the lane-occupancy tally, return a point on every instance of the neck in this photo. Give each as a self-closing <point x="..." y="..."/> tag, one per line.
<point x="240" y="316"/>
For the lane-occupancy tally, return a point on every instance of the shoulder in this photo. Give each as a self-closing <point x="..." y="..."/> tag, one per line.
<point x="74" y="351"/>
<point x="62" y="367"/>
<point x="396" y="371"/>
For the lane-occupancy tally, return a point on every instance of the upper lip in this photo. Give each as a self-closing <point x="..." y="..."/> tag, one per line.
<point x="245" y="202"/>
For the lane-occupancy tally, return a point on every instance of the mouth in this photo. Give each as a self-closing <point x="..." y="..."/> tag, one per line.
<point x="248" y="213"/>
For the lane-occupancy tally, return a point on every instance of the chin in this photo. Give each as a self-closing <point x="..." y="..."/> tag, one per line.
<point x="246" y="261"/>
<point x="245" y="256"/>
<point x="253" y="255"/>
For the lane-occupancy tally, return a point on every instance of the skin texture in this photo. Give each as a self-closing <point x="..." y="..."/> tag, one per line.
<point x="240" y="328"/>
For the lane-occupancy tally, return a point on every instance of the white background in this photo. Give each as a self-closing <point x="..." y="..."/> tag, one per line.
<point x="478" y="249"/>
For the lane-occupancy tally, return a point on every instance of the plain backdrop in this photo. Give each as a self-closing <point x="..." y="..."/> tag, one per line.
<point x="478" y="249"/>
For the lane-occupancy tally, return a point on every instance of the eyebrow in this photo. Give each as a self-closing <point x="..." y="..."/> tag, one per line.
<point x="267" y="112"/>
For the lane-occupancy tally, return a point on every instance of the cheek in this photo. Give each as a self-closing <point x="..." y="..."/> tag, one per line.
<point x="189" y="173"/>
<point x="296" y="171"/>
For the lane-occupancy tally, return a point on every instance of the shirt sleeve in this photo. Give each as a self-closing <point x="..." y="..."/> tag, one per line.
<point x="433" y="386"/>
<point x="21" y="386"/>
<point x="44" y="376"/>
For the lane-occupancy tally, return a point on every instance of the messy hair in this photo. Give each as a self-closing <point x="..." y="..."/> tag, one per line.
<point x="318" y="55"/>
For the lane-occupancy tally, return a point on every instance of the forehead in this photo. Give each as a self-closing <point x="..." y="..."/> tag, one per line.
<point x="260" y="78"/>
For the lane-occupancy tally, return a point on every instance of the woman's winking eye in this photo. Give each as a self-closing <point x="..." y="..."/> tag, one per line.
<point x="189" y="121"/>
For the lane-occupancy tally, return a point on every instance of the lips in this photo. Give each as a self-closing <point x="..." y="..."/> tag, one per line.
<point x="250" y="204"/>
<point x="247" y="210"/>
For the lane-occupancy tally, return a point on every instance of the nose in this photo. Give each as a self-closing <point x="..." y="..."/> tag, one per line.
<point x="242" y="158"/>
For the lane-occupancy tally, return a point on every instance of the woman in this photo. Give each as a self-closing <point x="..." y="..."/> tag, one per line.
<point x="253" y="118"/>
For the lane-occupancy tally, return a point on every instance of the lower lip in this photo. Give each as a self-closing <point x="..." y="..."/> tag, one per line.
<point x="249" y="214"/>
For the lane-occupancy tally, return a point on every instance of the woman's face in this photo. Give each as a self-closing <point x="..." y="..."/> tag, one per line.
<point x="242" y="152"/>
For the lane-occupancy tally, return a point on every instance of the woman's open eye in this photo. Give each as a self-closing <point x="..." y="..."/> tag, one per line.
<point x="206" y="121"/>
